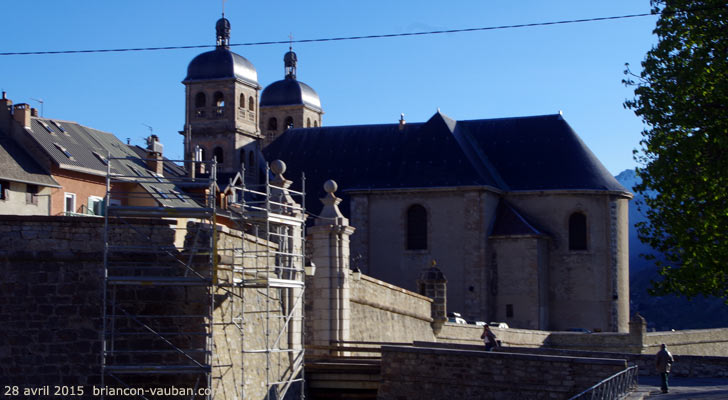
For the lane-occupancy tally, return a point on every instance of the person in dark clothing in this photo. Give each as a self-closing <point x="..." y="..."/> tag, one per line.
<point x="663" y="362"/>
<point x="489" y="338"/>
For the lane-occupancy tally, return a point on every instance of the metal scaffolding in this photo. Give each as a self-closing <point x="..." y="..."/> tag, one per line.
<point x="268" y="280"/>
<point x="185" y="279"/>
<point x="159" y="277"/>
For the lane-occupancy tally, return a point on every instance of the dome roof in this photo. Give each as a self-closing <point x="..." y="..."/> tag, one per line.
<point x="221" y="63"/>
<point x="290" y="92"/>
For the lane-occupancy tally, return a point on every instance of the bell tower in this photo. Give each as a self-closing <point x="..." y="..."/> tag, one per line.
<point x="221" y="106"/>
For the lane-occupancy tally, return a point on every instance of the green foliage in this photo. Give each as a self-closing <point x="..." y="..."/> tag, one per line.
<point x="682" y="96"/>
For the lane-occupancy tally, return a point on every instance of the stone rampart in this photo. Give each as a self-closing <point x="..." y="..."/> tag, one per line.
<point x="381" y="312"/>
<point x="413" y="372"/>
<point x="697" y="342"/>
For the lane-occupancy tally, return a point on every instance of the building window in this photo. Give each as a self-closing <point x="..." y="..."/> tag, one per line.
<point x="219" y="100"/>
<point x="31" y="194"/>
<point x="577" y="231"/>
<point x="95" y="205"/>
<point x="69" y="203"/>
<point x="272" y="124"/>
<point x="308" y="122"/>
<point x="4" y="190"/>
<point x="289" y="123"/>
<point x="416" y="227"/>
<point x="241" y="103"/>
<point x="251" y="103"/>
<point x="217" y="153"/>
<point x="509" y="310"/>
<point x="200" y="99"/>
<point x="242" y="158"/>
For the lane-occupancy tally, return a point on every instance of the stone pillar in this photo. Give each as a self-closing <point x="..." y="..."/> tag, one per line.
<point x="330" y="239"/>
<point x="433" y="284"/>
<point x="637" y="332"/>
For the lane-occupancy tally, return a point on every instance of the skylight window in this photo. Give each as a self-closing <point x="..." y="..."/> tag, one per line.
<point x="47" y="127"/>
<point x="160" y="193"/>
<point x="179" y="195"/>
<point x="101" y="158"/>
<point x="59" y="126"/>
<point x="63" y="150"/>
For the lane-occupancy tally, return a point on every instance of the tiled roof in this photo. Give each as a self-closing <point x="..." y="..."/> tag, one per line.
<point x="18" y="166"/>
<point x="507" y="154"/>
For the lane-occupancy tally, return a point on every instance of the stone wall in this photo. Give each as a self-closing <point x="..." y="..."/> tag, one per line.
<point x="381" y="312"/>
<point x="51" y="297"/>
<point x="409" y="372"/>
<point x="698" y="342"/>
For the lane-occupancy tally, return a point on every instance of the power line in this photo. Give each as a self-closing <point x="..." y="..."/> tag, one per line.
<point x="335" y="39"/>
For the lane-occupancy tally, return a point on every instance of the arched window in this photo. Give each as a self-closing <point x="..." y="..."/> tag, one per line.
<point x="219" y="99"/>
<point x="217" y="153"/>
<point x="272" y="124"/>
<point x="315" y="124"/>
<point x="241" y="103"/>
<point x="200" y="99"/>
<point x="251" y="103"/>
<point x="251" y="160"/>
<point x="308" y="122"/>
<point x="577" y="231"/>
<point x="242" y="158"/>
<point x="289" y="122"/>
<point x="416" y="227"/>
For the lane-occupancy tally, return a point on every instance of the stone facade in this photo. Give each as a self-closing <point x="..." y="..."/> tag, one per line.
<point x="488" y="276"/>
<point x="302" y="117"/>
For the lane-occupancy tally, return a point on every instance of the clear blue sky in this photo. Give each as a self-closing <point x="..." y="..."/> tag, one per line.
<point x="576" y="68"/>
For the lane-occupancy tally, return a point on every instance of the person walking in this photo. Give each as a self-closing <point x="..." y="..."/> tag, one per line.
<point x="663" y="362"/>
<point x="489" y="338"/>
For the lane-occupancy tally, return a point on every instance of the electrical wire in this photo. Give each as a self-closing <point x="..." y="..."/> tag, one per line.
<point x="334" y="39"/>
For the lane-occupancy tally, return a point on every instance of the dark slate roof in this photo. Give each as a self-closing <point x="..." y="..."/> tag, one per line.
<point x="18" y="166"/>
<point x="507" y="154"/>
<point x="221" y="63"/>
<point x="79" y="148"/>
<point x="290" y="92"/>
<point x="509" y="222"/>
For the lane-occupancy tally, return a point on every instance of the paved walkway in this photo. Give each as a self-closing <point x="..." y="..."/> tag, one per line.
<point x="681" y="388"/>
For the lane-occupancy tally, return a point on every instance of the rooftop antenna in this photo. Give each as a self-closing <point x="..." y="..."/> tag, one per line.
<point x="151" y="130"/>
<point x="290" y="41"/>
<point x="41" y="105"/>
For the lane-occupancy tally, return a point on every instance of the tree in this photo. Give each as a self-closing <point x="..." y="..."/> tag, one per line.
<point x="682" y="97"/>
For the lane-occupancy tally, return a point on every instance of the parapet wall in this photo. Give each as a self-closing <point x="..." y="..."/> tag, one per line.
<point x="381" y="312"/>
<point x="698" y="342"/>
<point x="413" y="372"/>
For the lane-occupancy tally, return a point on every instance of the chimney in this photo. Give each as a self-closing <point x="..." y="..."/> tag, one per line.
<point x="33" y="112"/>
<point x="155" y="161"/>
<point x="401" y="121"/>
<point x="21" y="113"/>
<point x="5" y="103"/>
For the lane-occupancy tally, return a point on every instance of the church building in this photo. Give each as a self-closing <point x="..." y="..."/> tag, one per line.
<point x="527" y="225"/>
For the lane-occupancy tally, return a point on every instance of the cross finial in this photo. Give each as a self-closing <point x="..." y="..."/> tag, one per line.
<point x="290" y="41"/>
<point x="223" y="8"/>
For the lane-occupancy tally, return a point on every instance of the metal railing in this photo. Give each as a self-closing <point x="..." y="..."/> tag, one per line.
<point x="616" y="386"/>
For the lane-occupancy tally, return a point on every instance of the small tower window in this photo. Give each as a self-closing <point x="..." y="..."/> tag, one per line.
<point x="251" y="161"/>
<point x="219" y="100"/>
<point x="315" y="124"/>
<point x="251" y="103"/>
<point x="577" y="231"/>
<point x="416" y="227"/>
<point x="289" y="122"/>
<point x="218" y="154"/>
<point x="242" y="159"/>
<point x="272" y="124"/>
<point x="241" y="103"/>
<point x="308" y="122"/>
<point x="200" y="99"/>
